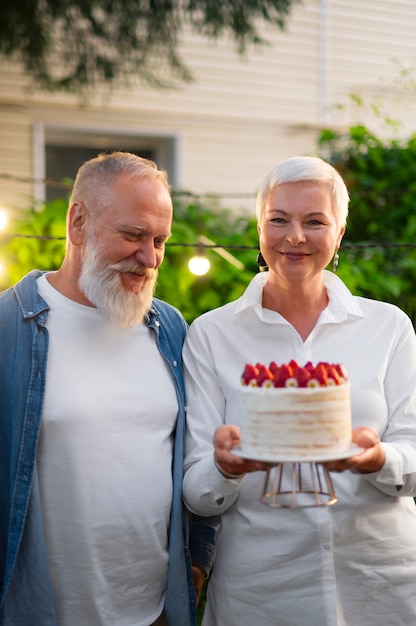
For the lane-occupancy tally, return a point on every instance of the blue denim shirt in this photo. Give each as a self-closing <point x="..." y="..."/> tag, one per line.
<point x="26" y="592"/>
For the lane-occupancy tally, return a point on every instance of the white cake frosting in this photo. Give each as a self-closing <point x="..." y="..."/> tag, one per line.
<point x="294" y="421"/>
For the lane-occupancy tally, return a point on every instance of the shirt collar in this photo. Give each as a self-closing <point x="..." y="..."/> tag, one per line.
<point x="342" y="304"/>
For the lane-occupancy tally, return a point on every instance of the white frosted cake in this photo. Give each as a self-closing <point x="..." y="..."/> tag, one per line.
<point x="295" y="411"/>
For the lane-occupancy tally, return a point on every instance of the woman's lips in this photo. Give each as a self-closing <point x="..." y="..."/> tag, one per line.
<point x="295" y="256"/>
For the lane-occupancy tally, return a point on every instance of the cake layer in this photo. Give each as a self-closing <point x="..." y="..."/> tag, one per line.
<point x="292" y="421"/>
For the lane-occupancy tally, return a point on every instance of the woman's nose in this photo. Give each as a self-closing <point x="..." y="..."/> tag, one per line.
<point x="295" y="234"/>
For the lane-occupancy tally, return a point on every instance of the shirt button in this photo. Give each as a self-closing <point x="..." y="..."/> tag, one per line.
<point x="175" y="363"/>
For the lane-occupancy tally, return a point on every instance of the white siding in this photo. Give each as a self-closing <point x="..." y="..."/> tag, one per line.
<point x="371" y="42"/>
<point x="240" y="115"/>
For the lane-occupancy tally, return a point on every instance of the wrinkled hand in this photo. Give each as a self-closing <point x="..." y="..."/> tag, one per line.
<point x="225" y="439"/>
<point x="370" y="460"/>
<point x="198" y="577"/>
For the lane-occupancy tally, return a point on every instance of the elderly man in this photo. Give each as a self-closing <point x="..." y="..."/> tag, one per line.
<point x="92" y="527"/>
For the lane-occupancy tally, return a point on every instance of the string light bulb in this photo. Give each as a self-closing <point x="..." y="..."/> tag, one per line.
<point x="199" y="264"/>
<point x="3" y="219"/>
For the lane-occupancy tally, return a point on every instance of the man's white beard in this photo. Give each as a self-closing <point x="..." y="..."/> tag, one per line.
<point x="102" y="285"/>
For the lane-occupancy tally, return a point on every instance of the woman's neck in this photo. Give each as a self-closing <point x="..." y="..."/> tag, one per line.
<point x="300" y="304"/>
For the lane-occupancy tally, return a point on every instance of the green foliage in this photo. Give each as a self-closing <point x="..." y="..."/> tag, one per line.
<point x="75" y="45"/>
<point x="381" y="178"/>
<point x="194" y="295"/>
<point x="40" y="243"/>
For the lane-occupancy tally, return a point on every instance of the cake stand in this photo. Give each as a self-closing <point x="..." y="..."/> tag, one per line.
<point x="298" y="483"/>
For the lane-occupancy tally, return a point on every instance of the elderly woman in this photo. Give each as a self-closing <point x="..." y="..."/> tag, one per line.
<point x="350" y="564"/>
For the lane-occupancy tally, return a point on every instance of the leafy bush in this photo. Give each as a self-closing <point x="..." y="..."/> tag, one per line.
<point x="379" y="259"/>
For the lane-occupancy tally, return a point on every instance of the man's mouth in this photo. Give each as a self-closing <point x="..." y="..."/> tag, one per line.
<point x="133" y="273"/>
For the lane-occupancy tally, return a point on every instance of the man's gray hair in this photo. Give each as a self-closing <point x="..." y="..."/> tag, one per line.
<point x="96" y="177"/>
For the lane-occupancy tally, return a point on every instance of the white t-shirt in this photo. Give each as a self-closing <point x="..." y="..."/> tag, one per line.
<point x="104" y="464"/>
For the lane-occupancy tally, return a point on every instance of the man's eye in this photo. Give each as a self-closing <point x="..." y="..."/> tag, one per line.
<point x="278" y="220"/>
<point x="131" y="236"/>
<point x="159" y="243"/>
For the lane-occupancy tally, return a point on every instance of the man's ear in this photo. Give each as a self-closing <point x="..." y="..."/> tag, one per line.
<point x="76" y="223"/>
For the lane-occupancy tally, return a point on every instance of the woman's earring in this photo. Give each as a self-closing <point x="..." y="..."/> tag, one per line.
<point x="261" y="263"/>
<point x="335" y="262"/>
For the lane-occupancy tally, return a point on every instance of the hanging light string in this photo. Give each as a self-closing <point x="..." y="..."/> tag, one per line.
<point x="62" y="184"/>
<point x="56" y="184"/>
<point x="363" y="245"/>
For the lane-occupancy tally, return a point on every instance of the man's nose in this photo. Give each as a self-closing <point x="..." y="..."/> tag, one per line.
<point x="148" y="255"/>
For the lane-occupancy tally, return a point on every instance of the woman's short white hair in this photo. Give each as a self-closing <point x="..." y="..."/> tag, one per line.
<point x="306" y="168"/>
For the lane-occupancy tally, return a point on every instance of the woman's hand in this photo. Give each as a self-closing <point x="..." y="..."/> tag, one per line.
<point x="370" y="460"/>
<point x="230" y="465"/>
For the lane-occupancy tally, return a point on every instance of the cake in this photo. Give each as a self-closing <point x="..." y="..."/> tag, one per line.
<point x="294" y="411"/>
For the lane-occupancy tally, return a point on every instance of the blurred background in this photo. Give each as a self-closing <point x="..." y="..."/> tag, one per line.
<point x="216" y="93"/>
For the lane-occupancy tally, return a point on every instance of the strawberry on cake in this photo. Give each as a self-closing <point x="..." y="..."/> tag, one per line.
<point x="295" y="411"/>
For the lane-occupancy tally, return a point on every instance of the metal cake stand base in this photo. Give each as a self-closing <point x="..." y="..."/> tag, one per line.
<point x="298" y="485"/>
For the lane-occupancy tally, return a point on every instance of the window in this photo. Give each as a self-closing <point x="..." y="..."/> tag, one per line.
<point x="59" y="152"/>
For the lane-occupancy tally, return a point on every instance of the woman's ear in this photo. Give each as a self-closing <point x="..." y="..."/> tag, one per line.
<point x="340" y="236"/>
<point x="76" y="222"/>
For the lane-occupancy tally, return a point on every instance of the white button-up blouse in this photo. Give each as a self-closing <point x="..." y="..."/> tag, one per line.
<point x="349" y="564"/>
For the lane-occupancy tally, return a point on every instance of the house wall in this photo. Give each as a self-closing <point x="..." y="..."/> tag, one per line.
<point x="240" y="115"/>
